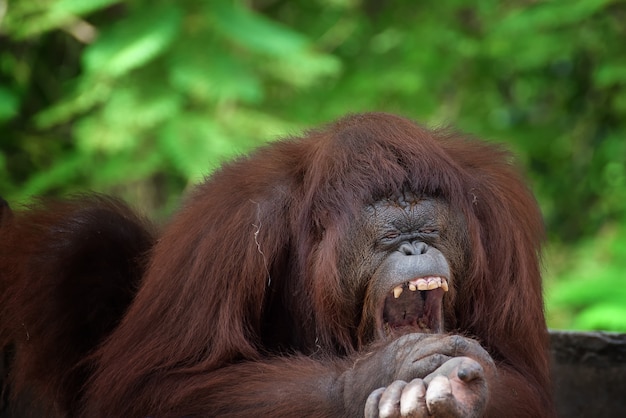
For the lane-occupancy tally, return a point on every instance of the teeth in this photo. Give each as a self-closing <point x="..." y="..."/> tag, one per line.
<point x="429" y="283"/>
<point x="422" y="283"/>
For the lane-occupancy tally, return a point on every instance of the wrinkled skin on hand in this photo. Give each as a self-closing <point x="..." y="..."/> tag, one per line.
<point x="456" y="389"/>
<point x="426" y="375"/>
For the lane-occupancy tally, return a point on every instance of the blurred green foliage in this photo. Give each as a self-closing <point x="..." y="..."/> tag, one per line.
<point x="142" y="98"/>
<point x="591" y="293"/>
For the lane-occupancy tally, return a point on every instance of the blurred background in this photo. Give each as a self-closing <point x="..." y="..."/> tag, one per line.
<point x="142" y="98"/>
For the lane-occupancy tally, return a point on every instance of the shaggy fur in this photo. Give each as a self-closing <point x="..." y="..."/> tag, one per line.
<point x="239" y="308"/>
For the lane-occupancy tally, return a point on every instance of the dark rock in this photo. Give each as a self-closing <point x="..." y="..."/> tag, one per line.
<point x="589" y="374"/>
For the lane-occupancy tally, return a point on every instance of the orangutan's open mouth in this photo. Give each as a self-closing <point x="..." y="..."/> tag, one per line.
<point x="416" y="304"/>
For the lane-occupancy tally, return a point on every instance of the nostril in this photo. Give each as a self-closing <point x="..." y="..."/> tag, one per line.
<point x="407" y="249"/>
<point x="420" y="247"/>
<point x="413" y="248"/>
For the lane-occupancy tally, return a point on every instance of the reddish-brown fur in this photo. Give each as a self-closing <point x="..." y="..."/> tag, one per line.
<point x="240" y="310"/>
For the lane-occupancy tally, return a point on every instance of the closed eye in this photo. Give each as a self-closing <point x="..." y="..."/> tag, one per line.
<point x="391" y="235"/>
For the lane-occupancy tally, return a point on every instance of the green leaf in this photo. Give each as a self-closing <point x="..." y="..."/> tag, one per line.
<point x="609" y="317"/>
<point x="9" y="103"/>
<point x="81" y="7"/>
<point x="297" y="62"/>
<point x="547" y="14"/>
<point x="196" y="145"/>
<point x="255" y="31"/>
<point x="126" y="118"/>
<point x="304" y="69"/>
<point x="213" y="75"/>
<point x="589" y="287"/>
<point x="62" y="172"/>
<point x="126" y="167"/>
<point x="90" y="94"/>
<point x="134" y="41"/>
<point x="611" y="73"/>
<point x="33" y="18"/>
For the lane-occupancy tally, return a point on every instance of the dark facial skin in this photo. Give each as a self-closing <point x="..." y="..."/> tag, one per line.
<point x="402" y="252"/>
<point x="399" y="246"/>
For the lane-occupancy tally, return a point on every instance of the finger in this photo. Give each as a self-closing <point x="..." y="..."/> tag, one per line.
<point x="389" y="405"/>
<point x="457" y="366"/>
<point x="422" y="367"/>
<point x="469" y="370"/>
<point x="447" y="394"/>
<point x="371" y="405"/>
<point x="439" y="389"/>
<point x="470" y="348"/>
<point x="439" y="398"/>
<point x="413" y="400"/>
<point x="434" y="344"/>
<point x="451" y="346"/>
